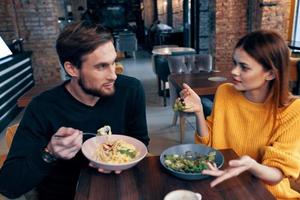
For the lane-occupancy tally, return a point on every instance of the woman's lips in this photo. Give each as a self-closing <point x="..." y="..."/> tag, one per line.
<point x="235" y="81"/>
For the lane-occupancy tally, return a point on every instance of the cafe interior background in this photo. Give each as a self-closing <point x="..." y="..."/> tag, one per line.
<point x="30" y="29"/>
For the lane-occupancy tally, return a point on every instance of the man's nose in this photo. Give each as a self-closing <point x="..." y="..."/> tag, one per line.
<point x="112" y="72"/>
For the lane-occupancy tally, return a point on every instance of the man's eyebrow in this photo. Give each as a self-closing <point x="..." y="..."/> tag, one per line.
<point x="104" y="63"/>
<point x="101" y="63"/>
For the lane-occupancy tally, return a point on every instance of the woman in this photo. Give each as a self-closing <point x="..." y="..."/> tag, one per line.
<point x="256" y="115"/>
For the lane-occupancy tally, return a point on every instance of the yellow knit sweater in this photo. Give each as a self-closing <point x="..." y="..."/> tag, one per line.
<point x="246" y="127"/>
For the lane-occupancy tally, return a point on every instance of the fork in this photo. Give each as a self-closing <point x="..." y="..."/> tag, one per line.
<point x="83" y="133"/>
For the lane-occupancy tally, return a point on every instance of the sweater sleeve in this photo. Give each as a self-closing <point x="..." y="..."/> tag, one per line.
<point x="24" y="167"/>
<point x="137" y="126"/>
<point x="206" y="140"/>
<point x="218" y="101"/>
<point x="283" y="152"/>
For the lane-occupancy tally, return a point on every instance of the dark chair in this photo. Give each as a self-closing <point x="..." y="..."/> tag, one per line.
<point x="199" y="62"/>
<point x="182" y="65"/>
<point x="162" y="71"/>
<point x="177" y="65"/>
<point x="296" y="89"/>
<point x="295" y="75"/>
<point x="126" y="42"/>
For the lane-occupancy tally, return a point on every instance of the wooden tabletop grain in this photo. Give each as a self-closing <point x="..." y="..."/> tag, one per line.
<point x="148" y="180"/>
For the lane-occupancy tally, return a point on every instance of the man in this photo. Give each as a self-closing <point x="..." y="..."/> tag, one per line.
<point x="45" y="153"/>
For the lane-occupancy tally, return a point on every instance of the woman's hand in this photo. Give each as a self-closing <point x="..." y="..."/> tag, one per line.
<point x="235" y="168"/>
<point x="191" y="99"/>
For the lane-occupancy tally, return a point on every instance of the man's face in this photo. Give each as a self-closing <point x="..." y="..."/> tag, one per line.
<point x="97" y="73"/>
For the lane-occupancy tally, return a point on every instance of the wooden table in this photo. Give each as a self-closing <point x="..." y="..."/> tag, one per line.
<point x="200" y="82"/>
<point x="24" y="100"/>
<point x="149" y="180"/>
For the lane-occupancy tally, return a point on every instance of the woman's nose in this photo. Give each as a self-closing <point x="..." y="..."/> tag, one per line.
<point x="235" y="70"/>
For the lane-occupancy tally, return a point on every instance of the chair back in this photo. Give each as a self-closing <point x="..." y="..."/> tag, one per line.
<point x="199" y="62"/>
<point x="161" y="68"/>
<point x="10" y="133"/>
<point x="294" y="76"/>
<point x="119" y="68"/>
<point x="173" y="94"/>
<point x="2" y="159"/>
<point x="177" y="64"/>
<point x="126" y="42"/>
<point x="154" y="57"/>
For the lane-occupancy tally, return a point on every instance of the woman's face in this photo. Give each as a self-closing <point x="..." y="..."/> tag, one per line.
<point x="249" y="75"/>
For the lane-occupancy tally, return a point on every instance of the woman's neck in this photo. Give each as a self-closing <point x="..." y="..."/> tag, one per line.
<point x="258" y="95"/>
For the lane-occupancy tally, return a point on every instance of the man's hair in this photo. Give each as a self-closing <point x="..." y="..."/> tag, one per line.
<point x="79" y="39"/>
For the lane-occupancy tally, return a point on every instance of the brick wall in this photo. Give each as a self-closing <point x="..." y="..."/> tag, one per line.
<point x="8" y="26"/>
<point x="148" y="13"/>
<point x="162" y="11"/>
<point x="177" y="14"/>
<point x="36" y="23"/>
<point x="277" y="17"/>
<point x="231" y="24"/>
<point x="177" y="9"/>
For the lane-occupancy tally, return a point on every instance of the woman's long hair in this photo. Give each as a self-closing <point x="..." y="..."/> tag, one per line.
<point x="270" y="50"/>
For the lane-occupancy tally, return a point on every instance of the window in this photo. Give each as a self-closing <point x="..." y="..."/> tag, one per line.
<point x="296" y="28"/>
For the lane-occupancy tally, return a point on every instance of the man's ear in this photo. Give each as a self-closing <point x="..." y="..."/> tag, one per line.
<point x="71" y="69"/>
<point x="270" y="75"/>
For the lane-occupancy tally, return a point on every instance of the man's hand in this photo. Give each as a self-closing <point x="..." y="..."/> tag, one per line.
<point x="103" y="170"/>
<point x="65" y="143"/>
<point x="235" y="168"/>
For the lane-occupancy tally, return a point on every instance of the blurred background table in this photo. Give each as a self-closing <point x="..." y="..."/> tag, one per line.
<point x="200" y="82"/>
<point x="149" y="180"/>
<point x="165" y="51"/>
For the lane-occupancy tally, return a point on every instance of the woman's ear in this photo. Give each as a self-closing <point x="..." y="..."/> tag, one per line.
<point x="270" y="75"/>
<point x="71" y="69"/>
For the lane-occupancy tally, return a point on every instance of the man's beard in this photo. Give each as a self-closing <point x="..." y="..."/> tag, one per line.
<point x="93" y="92"/>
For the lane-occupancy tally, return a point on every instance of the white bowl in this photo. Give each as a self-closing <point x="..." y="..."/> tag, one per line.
<point x="89" y="147"/>
<point x="183" y="194"/>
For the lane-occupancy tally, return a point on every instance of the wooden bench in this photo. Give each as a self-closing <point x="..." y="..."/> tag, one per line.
<point x="24" y="100"/>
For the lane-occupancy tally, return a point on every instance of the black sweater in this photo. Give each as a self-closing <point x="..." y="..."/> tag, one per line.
<point x="24" y="168"/>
